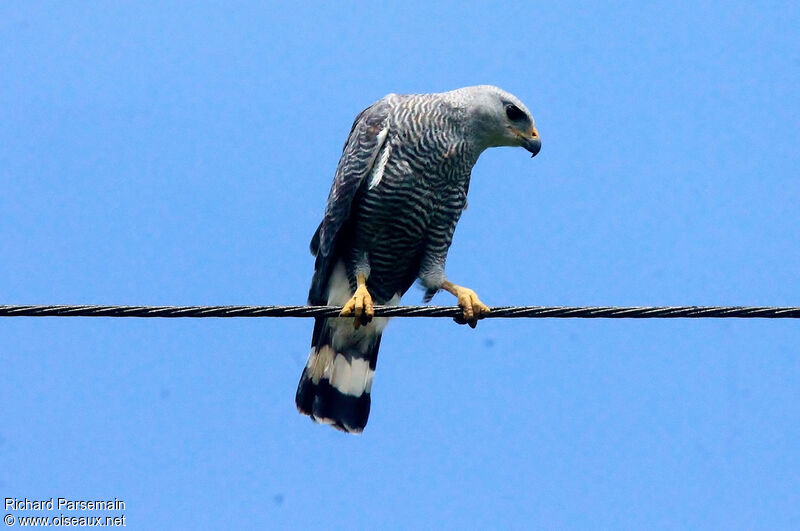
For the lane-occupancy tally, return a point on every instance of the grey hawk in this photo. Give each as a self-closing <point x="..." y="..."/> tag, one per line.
<point x="398" y="192"/>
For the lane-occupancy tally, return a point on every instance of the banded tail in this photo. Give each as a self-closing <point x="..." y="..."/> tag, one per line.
<point x="335" y="385"/>
<point x="336" y="382"/>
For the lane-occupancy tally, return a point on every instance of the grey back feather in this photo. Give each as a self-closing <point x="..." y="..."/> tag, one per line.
<point x="358" y="157"/>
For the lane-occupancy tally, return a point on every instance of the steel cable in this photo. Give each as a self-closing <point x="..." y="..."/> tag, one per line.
<point x="581" y="312"/>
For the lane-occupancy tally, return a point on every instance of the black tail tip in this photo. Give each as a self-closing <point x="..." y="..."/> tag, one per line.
<point x="327" y="405"/>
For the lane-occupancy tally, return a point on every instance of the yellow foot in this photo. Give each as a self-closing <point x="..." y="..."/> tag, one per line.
<point x="469" y="302"/>
<point x="360" y="307"/>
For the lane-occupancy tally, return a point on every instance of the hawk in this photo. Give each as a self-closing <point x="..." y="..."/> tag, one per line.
<point x="398" y="192"/>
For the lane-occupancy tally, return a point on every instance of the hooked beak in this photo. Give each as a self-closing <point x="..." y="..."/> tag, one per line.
<point x="532" y="142"/>
<point x="534" y="145"/>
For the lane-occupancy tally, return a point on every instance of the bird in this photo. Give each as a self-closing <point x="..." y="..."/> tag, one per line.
<point x="398" y="192"/>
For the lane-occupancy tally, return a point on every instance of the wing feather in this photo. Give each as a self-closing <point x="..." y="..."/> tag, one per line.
<point x="366" y="139"/>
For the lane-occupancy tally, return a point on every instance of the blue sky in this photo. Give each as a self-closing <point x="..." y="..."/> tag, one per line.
<point x="182" y="153"/>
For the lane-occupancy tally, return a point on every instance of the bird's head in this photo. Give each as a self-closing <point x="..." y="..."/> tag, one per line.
<point x="499" y="118"/>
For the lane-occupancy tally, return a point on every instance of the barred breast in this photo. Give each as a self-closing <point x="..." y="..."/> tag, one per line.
<point x="414" y="196"/>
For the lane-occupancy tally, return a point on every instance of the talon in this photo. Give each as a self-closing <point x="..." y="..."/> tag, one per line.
<point x="472" y="306"/>
<point x="469" y="303"/>
<point x="360" y="307"/>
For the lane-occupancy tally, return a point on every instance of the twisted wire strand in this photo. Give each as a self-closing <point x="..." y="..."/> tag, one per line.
<point x="581" y="312"/>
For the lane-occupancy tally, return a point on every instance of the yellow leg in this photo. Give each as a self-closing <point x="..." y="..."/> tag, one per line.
<point x="360" y="304"/>
<point x="469" y="302"/>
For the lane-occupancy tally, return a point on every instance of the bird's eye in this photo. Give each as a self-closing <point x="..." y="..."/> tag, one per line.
<point x="514" y="113"/>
